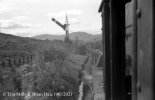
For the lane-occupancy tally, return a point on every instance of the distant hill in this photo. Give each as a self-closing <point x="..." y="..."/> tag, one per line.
<point x="49" y="37"/>
<point x="81" y="36"/>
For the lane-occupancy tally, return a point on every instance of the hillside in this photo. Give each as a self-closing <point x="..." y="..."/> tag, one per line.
<point x="15" y="46"/>
<point x="81" y="36"/>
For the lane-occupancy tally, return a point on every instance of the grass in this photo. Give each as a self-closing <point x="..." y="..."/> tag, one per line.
<point x="50" y="71"/>
<point x="14" y="47"/>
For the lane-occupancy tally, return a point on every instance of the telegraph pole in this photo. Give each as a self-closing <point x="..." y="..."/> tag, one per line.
<point x="76" y="43"/>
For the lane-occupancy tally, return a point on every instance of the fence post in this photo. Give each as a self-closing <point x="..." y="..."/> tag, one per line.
<point x="27" y="60"/>
<point x="30" y="58"/>
<point x="14" y="60"/>
<point x="9" y="62"/>
<point x="3" y="63"/>
<point x="23" y="61"/>
<point x="94" y="58"/>
<point x="20" y="62"/>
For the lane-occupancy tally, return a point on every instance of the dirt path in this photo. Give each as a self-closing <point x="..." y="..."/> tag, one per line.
<point x="87" y="80"/>
<point x="98" y="89"/>
<point x="93" y="77"/>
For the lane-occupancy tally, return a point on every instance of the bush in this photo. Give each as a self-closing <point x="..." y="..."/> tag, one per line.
<point x="46" y="74"/>
<point x="82" y="50"/>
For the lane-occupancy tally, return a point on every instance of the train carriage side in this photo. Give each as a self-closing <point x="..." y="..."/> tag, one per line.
<point x="128" y="31"/>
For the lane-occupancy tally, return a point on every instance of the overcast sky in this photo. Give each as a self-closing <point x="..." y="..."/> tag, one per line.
<point x="33" y="17"/>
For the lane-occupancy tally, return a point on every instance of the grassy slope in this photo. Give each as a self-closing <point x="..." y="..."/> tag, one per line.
<point x="67" y="75"/>
<point x="14" y="46"/>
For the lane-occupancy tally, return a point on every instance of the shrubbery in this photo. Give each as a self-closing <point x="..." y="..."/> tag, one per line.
<point x="48" y="73"/>
<point x="82" y="50"/>
<point x="95" y="45"/>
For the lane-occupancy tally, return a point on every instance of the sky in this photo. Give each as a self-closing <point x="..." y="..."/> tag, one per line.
<point x="33" y="17"/>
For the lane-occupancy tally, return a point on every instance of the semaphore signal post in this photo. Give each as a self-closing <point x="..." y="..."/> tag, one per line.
<point x="65" y="27"/>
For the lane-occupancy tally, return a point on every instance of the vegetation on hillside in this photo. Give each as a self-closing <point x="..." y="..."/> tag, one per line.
<point x="95" y="45"/>
<point x="49" y="72"/>
<point x="82" y="49"/>
<point x="14" y="47"/>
